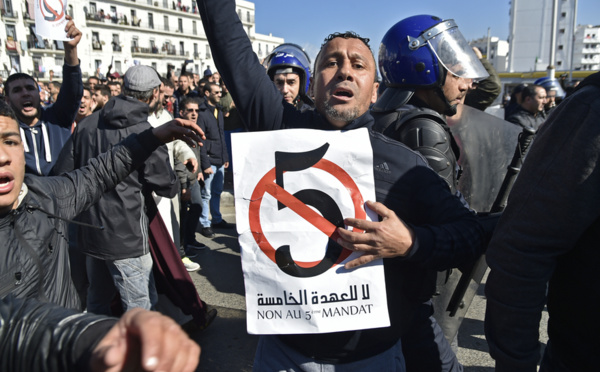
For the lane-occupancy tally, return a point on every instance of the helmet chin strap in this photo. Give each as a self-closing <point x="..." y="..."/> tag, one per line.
<point x="449" y="109"/>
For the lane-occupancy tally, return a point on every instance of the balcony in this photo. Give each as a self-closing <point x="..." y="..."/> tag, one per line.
<point x="116" y="47"/>
<point x="96" y="45"/>
<point x="136" y="50"/>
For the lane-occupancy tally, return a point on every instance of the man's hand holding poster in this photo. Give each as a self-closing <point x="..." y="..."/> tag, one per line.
<point x="293" y="189"/>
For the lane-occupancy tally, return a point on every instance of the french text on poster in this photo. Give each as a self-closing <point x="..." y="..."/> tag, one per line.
<point x="50" y="20"/>
<point x="293" y="189"/>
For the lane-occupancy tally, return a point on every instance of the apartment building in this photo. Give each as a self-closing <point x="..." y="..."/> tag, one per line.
<point x="120" y="33"/>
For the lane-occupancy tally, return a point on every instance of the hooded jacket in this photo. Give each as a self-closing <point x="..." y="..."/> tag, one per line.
<point x="121" y="211"/>
<point x="34" y="261"/>
<point x="44" y="140"/>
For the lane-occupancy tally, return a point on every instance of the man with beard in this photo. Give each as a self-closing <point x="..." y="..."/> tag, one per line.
<point x="211" y="120"/>
<point x="101" y="96"/>
<point x="119" y="256"/>
<point x="421" y="224"/>
<point x="45" y="130"/>
<point x="428" y="68"/>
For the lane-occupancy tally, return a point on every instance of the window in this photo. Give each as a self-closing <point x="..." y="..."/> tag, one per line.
<point x="8" y="10"/>
<point x="96" y="41"/>
<point x="116" y="44"/>
<point x="207" y="51"/>
<point x="560" y="47"/>
<point x="247" y="16"/>
<point x="37" y="62"/>
<point x="118" y="67"/>
<point x="196" y="50"/>
<point x="151" y="20"/>
<point x="194" y="28"/>
<point x="93" y="8"/>
<point x="59" y="61"/>
<point x="239" y="12"/>
<point x="562" y="30"/>
<point x="70" y="10"/>
<point x="180" y="25"/>
<point x="154" y="66"/>
<point x="11" y="32"/>
<point x="181" y="49"/>
<point x="166" y="4"/>
<point x="166" y="22"/>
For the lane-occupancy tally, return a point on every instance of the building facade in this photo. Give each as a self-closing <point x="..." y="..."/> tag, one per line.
<point x="587" y="48"/>
<point x="498" y="53"/>
<point x="530" y="33"/>
<point x="118" y="33"/>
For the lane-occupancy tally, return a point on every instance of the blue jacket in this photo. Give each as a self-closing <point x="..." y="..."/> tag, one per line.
<point x="403" y="182"/>
<point x="44" y="140"/>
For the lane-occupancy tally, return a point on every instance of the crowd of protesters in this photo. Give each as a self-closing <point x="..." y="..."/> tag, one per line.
<point x="122" y="172"/>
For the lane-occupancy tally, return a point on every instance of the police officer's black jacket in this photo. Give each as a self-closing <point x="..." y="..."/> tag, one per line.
<point x="403" y="182"/>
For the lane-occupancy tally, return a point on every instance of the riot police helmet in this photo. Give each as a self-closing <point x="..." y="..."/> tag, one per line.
<point x="418" y="52"/>
<point x="290" y="58"/>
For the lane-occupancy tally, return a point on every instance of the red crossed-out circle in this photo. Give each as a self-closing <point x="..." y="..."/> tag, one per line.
<point x="267" y="185"/>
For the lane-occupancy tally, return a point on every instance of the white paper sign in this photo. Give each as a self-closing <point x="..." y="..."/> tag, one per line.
<point x="292" y="188"/>
<point x="50" y="20"/>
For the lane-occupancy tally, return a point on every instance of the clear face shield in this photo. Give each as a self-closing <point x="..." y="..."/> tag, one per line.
<point x="452" y="50"/>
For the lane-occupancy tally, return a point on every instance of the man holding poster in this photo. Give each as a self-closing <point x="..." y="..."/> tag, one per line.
<point x="423" y="227"/>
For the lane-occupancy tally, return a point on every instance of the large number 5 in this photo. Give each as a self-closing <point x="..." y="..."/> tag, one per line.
<point x="294" y="162"/>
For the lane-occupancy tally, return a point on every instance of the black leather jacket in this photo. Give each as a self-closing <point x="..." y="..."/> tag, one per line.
<point x="42" y="337"/>
<point x="34" y="260"/>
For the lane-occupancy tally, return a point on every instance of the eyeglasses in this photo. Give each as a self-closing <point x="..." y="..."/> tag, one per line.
<point x="192" y="110"/>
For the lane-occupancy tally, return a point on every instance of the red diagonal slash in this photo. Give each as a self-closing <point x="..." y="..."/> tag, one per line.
<point x="267" y="185"/>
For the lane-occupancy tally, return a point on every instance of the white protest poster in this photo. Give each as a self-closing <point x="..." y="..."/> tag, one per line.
<point x="50" y="20"/>
<point x="292" y="189"/>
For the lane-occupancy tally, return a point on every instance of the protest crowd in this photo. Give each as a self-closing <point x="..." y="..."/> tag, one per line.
<point x="106" y="184"/>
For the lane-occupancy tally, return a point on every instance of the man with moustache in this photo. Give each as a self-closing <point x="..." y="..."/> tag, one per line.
<point x="101" y="96"/>
<point x="421" y="221"/>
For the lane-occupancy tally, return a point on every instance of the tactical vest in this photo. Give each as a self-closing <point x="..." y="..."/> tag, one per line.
<point x="425" y="131"/>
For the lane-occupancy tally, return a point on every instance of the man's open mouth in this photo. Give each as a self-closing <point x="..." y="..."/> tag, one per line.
<point x="6" y="183"/>
<point x="343" y="93"/>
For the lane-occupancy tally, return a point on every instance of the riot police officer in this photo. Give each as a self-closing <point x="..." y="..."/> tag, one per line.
<point x="428" y="68"/>
<point x="288" y="66"/>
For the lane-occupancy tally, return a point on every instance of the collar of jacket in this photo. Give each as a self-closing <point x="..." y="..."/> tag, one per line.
<point x="363" y="121"/>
